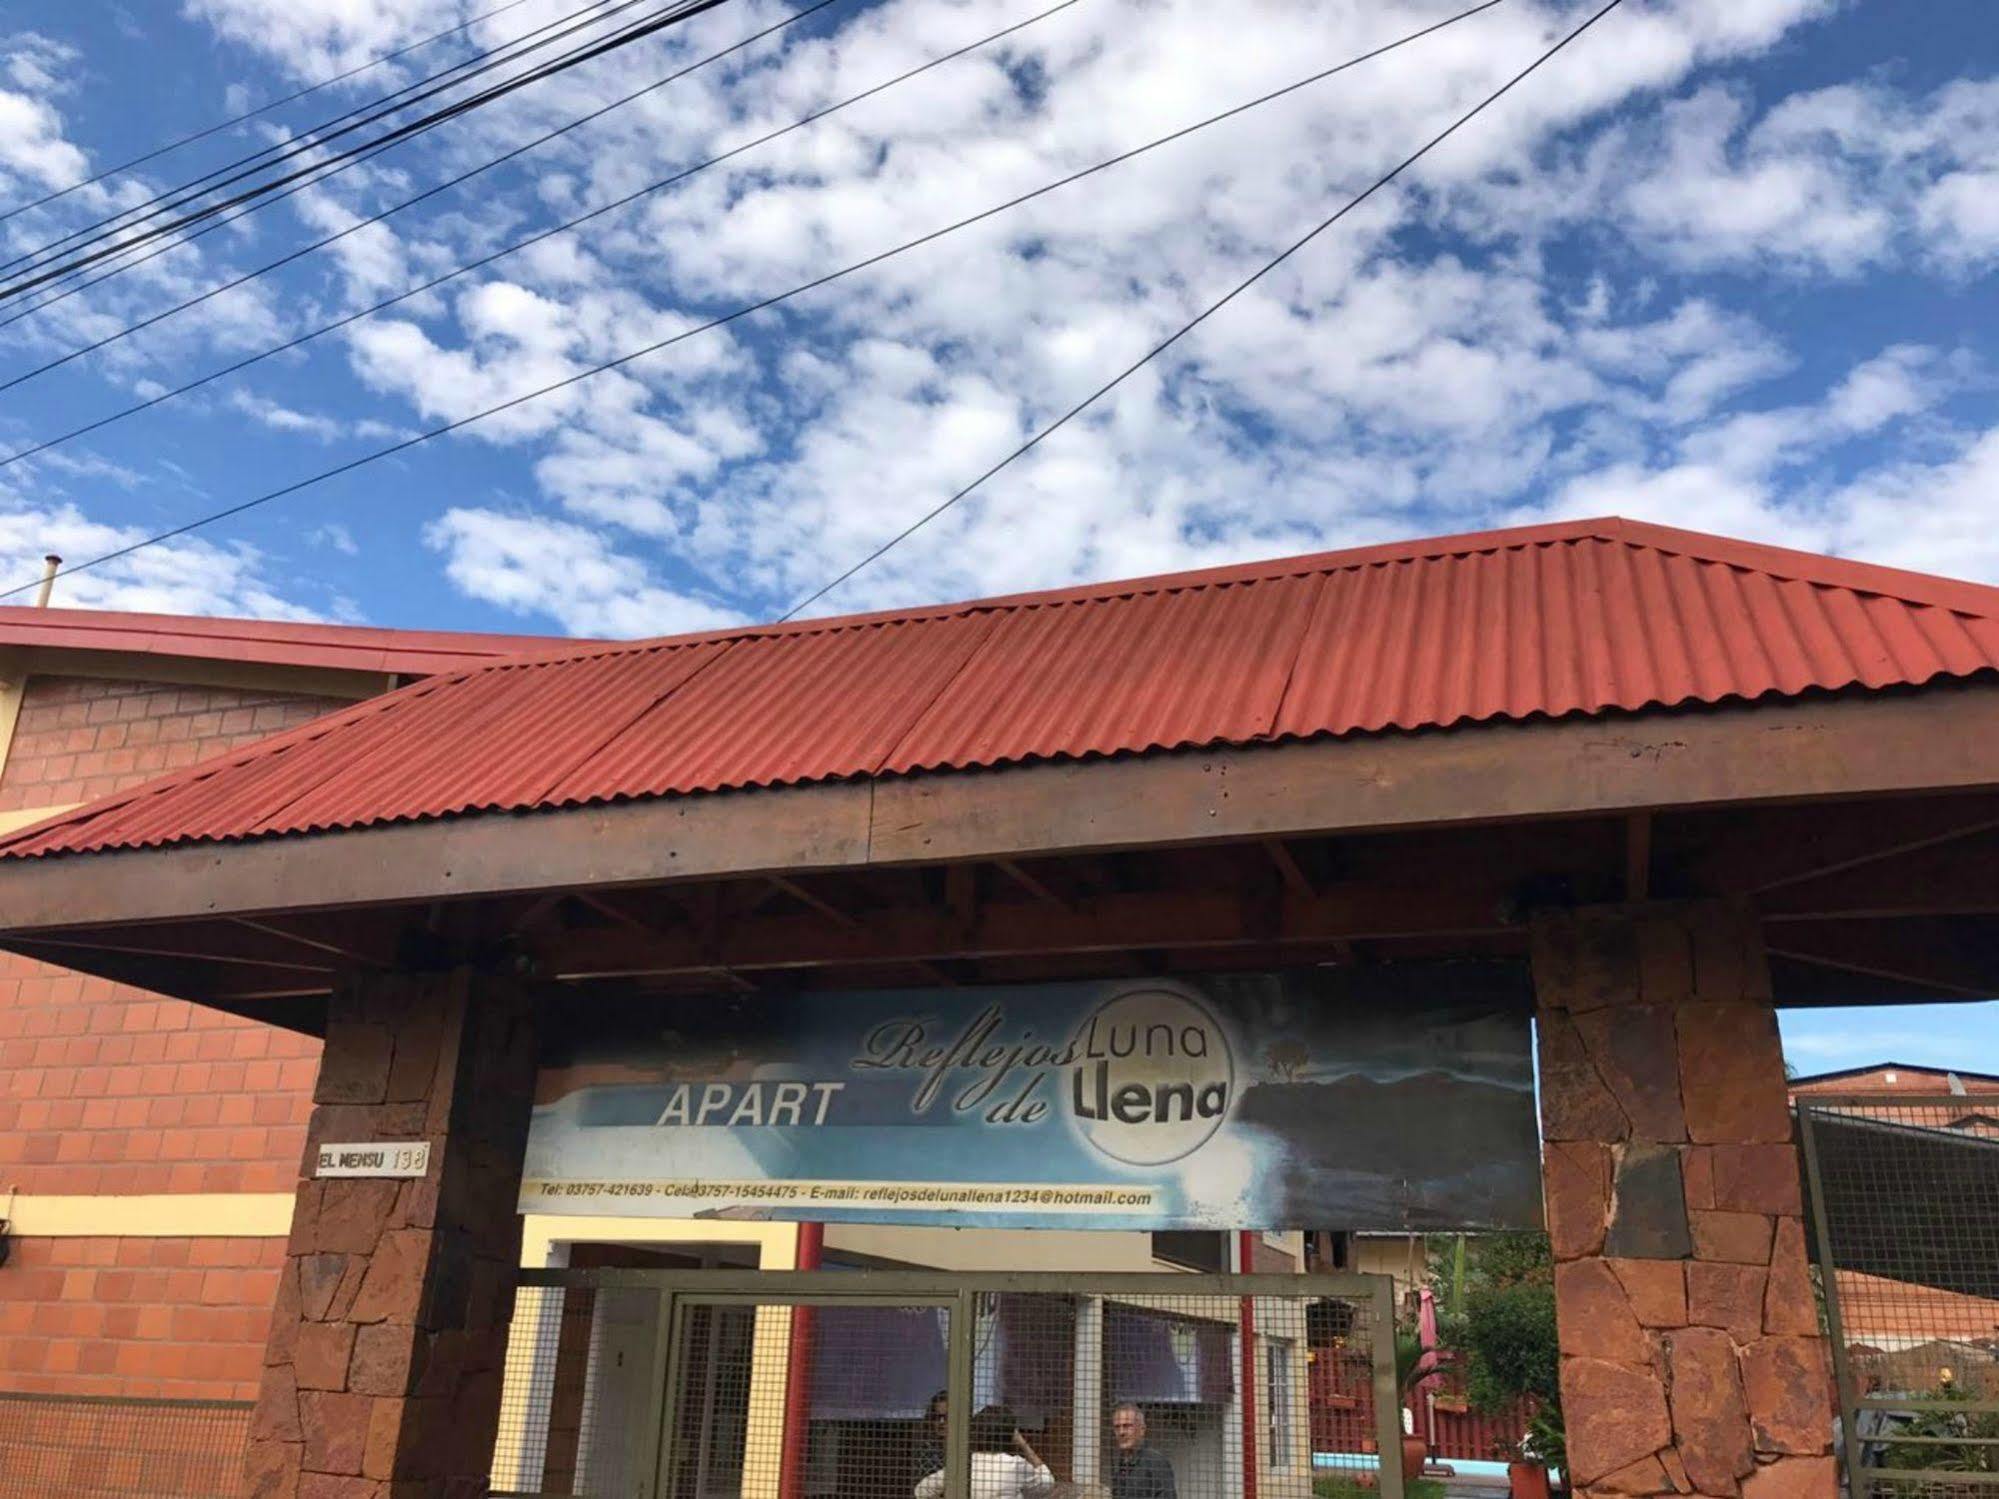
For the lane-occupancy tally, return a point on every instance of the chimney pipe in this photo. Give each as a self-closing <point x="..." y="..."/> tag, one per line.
<point x="51" y="564"/>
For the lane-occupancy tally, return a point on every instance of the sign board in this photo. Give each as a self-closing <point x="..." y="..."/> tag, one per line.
<point x="379" y="1158"/>
<point x="1395" y="1099"/>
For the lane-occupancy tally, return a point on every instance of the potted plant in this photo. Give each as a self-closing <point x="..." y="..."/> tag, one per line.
<point x="1543" y="1447"/>
<point x="1412" y="1366"/>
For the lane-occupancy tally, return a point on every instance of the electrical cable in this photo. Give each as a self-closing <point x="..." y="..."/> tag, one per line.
<point x="304" y="250"/>
<point x="42" y="273"/>
<point x="263" y="109"/>
<point x="385" y="104"/>
<point x="417" y="439"/>
<point x="534" y="239"/>
<point x="1205" y="313"/>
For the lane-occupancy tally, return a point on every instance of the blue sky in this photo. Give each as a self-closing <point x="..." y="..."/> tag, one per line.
<point x="1726" y="264"/>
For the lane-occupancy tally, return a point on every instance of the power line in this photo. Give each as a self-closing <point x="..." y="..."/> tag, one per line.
<point x="72" y="261"/>
<point x="263" y="109"/>
<point x="384" y="104"/>
<point x="1205" y="313"/>
<point x="1201" y="317"/>
<point x="568" y="224"/>
<point x="776" y="299"/>
<point x="375" y="218"/>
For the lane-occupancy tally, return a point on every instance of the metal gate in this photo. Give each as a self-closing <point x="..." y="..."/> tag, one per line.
<point x="1904" y="1199"/>
<point x="866" y="1384"/>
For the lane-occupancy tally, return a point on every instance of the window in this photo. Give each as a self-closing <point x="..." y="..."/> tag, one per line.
<point x="1277" y="1401"/>
<point x="1193" y="1251"/>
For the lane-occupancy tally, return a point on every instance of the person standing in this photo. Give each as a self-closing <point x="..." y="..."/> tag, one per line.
<point x="1138" y="1471"/>
<point x="930" y="1443"/>
<point x="1004" y="1464"/>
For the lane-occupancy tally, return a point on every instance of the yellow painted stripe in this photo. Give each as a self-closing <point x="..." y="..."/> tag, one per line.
<point x="166" y="1215"/>
<point x="26" y="816"/>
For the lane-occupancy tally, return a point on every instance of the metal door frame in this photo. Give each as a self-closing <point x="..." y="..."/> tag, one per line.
<point x="1858" y="1478"/>
<point x="958" y="1291"/>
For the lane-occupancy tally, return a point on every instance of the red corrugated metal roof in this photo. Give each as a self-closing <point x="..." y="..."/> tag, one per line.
<point x="407" y="653"/>
<point x="1579" y="618"/>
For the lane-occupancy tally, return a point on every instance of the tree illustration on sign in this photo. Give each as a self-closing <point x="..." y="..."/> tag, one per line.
<point x="1287" y="1058"/>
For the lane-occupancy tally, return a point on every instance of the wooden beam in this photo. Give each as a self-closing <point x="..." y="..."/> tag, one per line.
<point x="1954" y="958"/>
<point x="1782" y="846"/>
<point x="1637" y="855"/>
<point x="1959" y="877"/>
<point x="1166" y="921"/>
<point x="1940" y="738"/>
<point x="342" y="947"/>
<point x="1280" y="855"/>
<point x="1030" y="884"/>
<point x="826" y="908"/>
<point x="202" y="951"/>
<point x="614" y="910"/>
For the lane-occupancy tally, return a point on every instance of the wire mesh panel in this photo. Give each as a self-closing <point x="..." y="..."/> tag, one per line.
<point x="1905" y="1200"/>
<point x="1151" y="1394"/>
<point x="580" y="1395"/>
<point x="98" y="1447"/>
<point x="919" y="1385"/>
<point x="854" y="1424"/>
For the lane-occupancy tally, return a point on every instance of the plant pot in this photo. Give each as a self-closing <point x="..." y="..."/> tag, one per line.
<point x="1415" y="1453"/>
<point x="1527" y="1480"/>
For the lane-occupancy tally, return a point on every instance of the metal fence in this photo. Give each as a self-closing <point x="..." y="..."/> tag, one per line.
<point x="1343" y="1411"/>
<point x="97" y="1447"/>
<point x="1905" y="1218"/>
<point x="836" y="1384"/>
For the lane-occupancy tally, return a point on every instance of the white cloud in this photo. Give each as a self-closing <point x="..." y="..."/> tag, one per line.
<point x="336" y="536"/>
<point x="1419" y="368"/>
<point x="281" y="418"/>
<point x="1753" y="475"/>
<point x="188" y="576"/>
<point x="33" y="151"/>
<point x="1835" y="181"/>
<point x="533" y="564"/>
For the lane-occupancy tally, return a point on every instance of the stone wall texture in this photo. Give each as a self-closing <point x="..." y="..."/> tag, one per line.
<point x="388" y="1338"/>
<point x="1692" y="1361"/>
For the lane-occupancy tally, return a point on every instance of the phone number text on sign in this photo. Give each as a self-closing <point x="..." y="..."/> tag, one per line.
<point x="1039" y="1197"/>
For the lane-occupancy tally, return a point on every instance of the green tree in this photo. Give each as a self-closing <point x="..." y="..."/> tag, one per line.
<point x="1505" y="1336"/>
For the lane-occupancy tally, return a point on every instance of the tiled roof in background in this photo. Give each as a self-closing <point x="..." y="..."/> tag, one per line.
<point x="1583" y="617"/>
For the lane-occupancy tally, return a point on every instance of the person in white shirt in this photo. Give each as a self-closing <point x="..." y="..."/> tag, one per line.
<point x="1004" y="1464"/>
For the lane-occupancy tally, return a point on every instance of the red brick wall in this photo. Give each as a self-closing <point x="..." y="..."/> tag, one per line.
<point x="105" y="1089"/>
<point x="84" y="737"/>
<point x="1907" y="1080"/>
<point x="180" y="1318"/>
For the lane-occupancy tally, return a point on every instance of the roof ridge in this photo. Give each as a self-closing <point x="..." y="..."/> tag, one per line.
<point x="1225" y="574"/>
<point x="1818" y="569"/>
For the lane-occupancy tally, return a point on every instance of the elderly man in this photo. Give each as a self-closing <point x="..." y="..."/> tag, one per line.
<point x="1137" y="1471"/>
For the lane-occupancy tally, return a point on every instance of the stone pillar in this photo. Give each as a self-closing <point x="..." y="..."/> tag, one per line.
<point x="1692" y="1361"/>
<point x="388" y="1338"/>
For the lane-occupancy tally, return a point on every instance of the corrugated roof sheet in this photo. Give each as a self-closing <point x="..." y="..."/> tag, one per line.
<point x="1579" y="618"/>
<point x="262" y="641"/>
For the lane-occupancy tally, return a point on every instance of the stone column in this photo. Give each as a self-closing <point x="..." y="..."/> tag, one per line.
<point x="388" y="1339"/>
<point x="1692" y="1361"/>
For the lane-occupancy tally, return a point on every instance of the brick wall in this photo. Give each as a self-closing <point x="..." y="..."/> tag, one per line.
<point x="173" y="1317"/>
<point x="1897" y="1080"/>
<point x="110" y="1091"/>
<point x="83" y="737"/>
<point x="105" y="1089"/>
